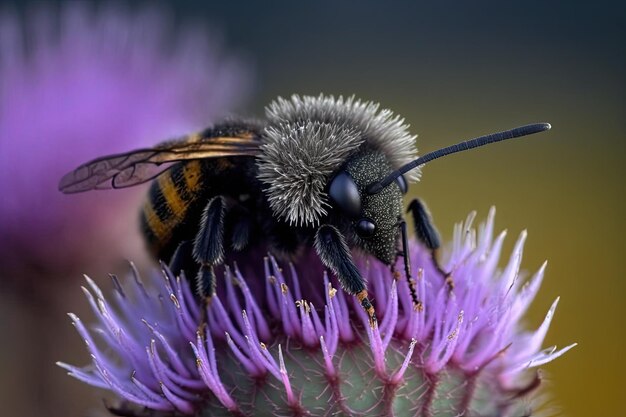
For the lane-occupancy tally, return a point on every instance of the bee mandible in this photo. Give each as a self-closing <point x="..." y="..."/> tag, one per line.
<point x="320" y="172"/>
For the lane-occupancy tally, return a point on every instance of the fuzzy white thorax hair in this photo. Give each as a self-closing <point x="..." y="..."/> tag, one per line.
<point x="308" y="138"/>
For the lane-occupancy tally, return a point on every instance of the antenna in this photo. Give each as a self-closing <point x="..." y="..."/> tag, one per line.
<point x="376" y="187"/>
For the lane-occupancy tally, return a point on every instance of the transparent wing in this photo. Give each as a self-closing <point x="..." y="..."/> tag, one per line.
<point x="142" y="165"/>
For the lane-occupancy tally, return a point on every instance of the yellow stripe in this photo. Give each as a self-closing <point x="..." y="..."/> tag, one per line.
<point x="159" y="229"/>
<point x="191" y="171"/>
<point x="177" y="205"/>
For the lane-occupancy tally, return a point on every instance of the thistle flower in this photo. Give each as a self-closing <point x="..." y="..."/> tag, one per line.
<point x="77" y="83"/>
<point x="271" y="347"/>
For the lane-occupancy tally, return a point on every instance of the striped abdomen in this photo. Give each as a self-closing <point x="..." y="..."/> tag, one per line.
<point x="171" y="212"/>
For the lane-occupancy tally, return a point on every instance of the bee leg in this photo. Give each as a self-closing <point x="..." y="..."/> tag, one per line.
<point x="183" y="260"/>
<point x="334" y="253"/>
<point x="240" y="227"/>
<point x="417" y="304"/>
<point x="426" y="233"/>
<point x="208" y="250"/>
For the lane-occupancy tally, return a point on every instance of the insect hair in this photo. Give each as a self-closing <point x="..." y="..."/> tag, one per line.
<point x="308" y="138"/>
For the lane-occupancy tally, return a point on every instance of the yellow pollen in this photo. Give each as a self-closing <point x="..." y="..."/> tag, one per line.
<point x="331" y="291"/>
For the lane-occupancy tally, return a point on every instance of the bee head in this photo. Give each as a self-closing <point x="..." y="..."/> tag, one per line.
<point x="370" y="221"/>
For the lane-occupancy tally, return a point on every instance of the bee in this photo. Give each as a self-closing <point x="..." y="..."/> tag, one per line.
<point x="319" y="172"/>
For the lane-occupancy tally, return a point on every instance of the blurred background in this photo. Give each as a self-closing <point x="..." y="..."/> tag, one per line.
<point x="82" y="79"/>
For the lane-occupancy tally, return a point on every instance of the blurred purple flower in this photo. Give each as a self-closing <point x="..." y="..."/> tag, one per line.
<point x="80" y="82"/>
<point x="273" y="347"/>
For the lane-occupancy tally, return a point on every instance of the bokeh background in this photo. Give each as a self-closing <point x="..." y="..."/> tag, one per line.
<point x="454" y="71"/>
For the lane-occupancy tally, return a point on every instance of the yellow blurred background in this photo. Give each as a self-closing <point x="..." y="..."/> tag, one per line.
<point x="454" y="71"/>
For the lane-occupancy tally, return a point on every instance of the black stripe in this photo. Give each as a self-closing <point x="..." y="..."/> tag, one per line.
<point x="159" y="203"/>
<point x="177" y="174"/>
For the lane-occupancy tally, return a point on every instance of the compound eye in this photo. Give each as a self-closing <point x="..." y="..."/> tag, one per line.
<point x="365" y="228"/>
<point x="345" y="194"/>
<point x="401" y="181"/>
